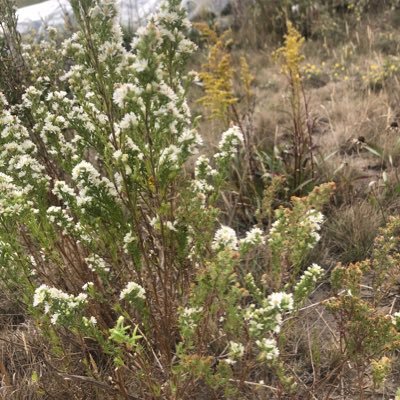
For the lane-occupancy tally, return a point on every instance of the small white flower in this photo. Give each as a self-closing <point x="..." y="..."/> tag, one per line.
<point x="254" y="237"/>
<point x="128" y="120"/>
<point x="97" y="264"/>
<point x="85" y="168"/>
<point x="230" y="140"/>
<point x="140" y="65"/>
<point x="54" y="318"/>
<point x="89" y="321"/>
<point x="117" y="154"/>
<point x="87" y="286"/>
<point x="188" y="317"/>
<point x="170" y="155"/>
<point x="122" y="92"/>
<point x="40" y="295"/>
<point x="236" y="350"/>
<point x="281" y="301"/>
<point x="133" y="289"/>
<point x="396" y="318"/>
<point x="186" y="46"/>
<point x="171" y="226"/>
<point x="225" y="238"/>
<point x="189" y="311"/>
<point x="314" y="271"/>
<point x="268" y="349"/>
<point x="57" y="302"/>
<point x="128" y="239"/>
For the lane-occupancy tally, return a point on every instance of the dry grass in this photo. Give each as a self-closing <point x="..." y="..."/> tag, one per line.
<point x="350" y="231"/>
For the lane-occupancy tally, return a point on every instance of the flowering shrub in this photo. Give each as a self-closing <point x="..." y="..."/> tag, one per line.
<point x="368" y="333"/>
<point x="109" y="239"/>
<point x="296" y="231"/>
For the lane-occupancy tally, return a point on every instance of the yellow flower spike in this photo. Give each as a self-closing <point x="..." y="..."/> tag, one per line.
<point x="246" y="77"/>
<point x="290" y="55"/>
<point x="217" y="75"/>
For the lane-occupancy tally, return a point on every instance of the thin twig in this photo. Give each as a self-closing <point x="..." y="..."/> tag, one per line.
<point x="254" y="384"/>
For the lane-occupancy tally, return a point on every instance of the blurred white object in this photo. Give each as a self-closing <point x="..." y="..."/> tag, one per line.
<point x="133" y="13"/>
<point x="296" y="8"/>
<point x="48" y="13"/>
<point x="197" y="8"/>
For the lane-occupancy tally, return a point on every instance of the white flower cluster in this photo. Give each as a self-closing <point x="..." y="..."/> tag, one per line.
<point x="132" y="291"/>
<point x="31" y="94"/>
<point x="165" y="99"/>
<point x="61" y="218"/>
<point x="280" y="301"/>
<point x="57" y="303"/>
<point x="268" y="317"/>
<point x="171" y="225"/>
<point x="63" y="191"/>
<point x="274" y="232"/>
<point x="128" y="239"/>
<point x="307" y="281"/>
<point x="14" y="198"/>
<point x="266" y="320"/>
<point x="228" y="144"/>
<point x="123" y="92"/>
<point x="204" y="174"/>
<point x="86" y="169"/>
<point x="268" y="349"/>
<point x="203" y="169"/>
<point x="89" y="322"/>
<point x="91" y="184"/>
<point x="97" y="264"/>
<point x="57" y="116"/>
<point x="128" y="155"/>
<point x="88" y="286"/>
<point x="396" y="320"/>
<point x="128" y="121"/>
<point x="170" y="156"/>
<point x="235" y="352"/>
<point x="313" y="222"/>
<point x="307" y="229"/>
<point x="18" y="152"/>
<point x="169" y="25"/>
<point x="189" y="316"/>
<point x="72" y="47"/>
<point x="254" y="237"/>
<point x="225" y="239"/>
<point x="189" y="140"/>
<point x="109" y="50"/>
